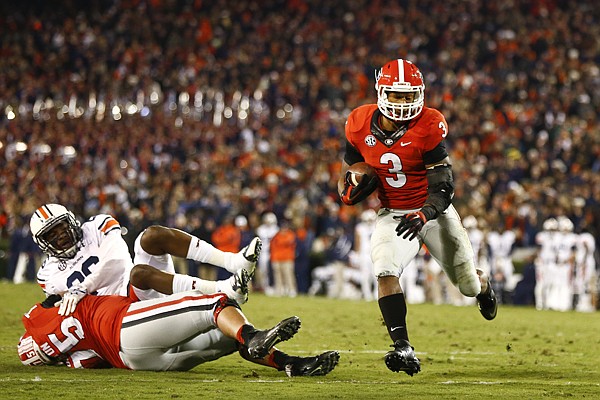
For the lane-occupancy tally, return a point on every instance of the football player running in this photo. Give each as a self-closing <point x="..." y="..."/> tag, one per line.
<point x="405" y="142"/>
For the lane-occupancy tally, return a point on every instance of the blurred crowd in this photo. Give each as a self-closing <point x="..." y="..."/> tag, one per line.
<point x="192" y="113"/>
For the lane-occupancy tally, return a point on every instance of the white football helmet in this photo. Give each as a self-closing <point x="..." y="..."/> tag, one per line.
<point x="565" y="224"/>
<point x="404" y="77"/>
<point x="551" y="224"/>
<point x="56" y="231"/>
<point x="30" y="353"/>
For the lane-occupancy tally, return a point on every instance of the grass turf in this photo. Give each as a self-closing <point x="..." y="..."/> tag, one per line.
<point x="522" y="354"/>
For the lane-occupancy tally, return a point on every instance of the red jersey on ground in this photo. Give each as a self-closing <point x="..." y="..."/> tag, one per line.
<point x="399" y="165"/>
<point x="100" y="315"/>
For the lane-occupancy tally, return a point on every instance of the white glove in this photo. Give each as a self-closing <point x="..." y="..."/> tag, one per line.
<point x="71" y="298"/>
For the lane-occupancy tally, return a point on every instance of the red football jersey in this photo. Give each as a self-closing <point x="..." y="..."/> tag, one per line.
<point x="400" y="167"/>
<point x="95" y="325"/>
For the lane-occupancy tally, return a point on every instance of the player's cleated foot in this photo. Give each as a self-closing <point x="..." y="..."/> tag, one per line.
<point x="236" y="286"/>
<point x="262" y="341"/>
<point x="252" y="251"/>
<point x="313" y="366"/>
<point x="487" y="302"/>
<point x="402" y="358"/>
<point x="247" y="257"/>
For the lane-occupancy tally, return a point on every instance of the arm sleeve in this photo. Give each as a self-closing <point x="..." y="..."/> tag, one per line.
<point x="435" y="155"/>
<point x="352" y="155"/>
<point x="440" y="190"/>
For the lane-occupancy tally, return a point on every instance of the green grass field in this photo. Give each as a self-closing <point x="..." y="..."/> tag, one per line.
<point x="523" y="354"/>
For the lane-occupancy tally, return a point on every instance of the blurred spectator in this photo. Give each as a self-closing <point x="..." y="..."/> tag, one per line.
<point x="241" y="222"/>
<point x="226" y="237"/>
<point x="283" y="255"/>
<point x="525" y="288"/>
<point x="24" y="254"/>
<point x="304" y="243"/>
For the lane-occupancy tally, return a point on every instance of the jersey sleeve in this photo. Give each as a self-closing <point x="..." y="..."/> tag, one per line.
<point x="358" y="119"/>
<point x="44" y="279"/>
<point x="437" y="130"/>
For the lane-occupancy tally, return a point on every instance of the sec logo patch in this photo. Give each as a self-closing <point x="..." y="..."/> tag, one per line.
<point x="370" y="141"/>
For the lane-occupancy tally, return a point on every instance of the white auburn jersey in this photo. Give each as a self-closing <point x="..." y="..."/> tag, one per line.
<point x="565" y="246"/>
<point x="102" y="263"/>
<point x="546" y="241"/>
<point x="585" y="248"/>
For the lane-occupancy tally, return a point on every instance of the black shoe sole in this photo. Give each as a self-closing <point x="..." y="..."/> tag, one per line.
<point x="281" y="332"/>
<point x="487" y="304"/>
<point x="396" y="363"/>
<point x="322" y="365"/>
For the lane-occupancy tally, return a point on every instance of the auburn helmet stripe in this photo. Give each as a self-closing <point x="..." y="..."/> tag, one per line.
<point x="43" y="212"/>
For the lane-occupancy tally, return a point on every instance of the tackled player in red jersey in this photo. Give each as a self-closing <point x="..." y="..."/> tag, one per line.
<point x="158" y="335"/>
<point x="405" y="142"/>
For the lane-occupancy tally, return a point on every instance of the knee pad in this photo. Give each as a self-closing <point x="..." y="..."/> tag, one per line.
<point x="467" y="279"/>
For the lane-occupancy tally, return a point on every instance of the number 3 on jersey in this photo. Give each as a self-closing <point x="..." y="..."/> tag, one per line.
<point x="399" y="178"/>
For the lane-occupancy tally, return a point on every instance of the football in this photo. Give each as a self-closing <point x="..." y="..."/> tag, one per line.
<point x="358" y="170"/>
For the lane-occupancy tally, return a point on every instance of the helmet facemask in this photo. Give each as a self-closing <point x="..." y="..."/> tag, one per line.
<point x="59" y="237"/>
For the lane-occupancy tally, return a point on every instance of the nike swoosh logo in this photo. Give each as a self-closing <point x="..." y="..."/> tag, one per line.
<point x="405" y="144"/>
<point x="396" y="328"/>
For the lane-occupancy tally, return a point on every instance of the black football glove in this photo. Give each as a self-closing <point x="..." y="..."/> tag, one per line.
<point x="410" y="224"/>
<point x="355" y="194"/>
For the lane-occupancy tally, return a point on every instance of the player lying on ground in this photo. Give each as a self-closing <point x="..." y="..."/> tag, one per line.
<point x="173" y="333"/>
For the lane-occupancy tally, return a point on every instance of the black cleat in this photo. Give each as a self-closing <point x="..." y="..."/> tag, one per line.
<point x="487" y="303"/>
<point x="402" y="358"/>
<point x="313" y="366"/>
<point x="262" y="341"/>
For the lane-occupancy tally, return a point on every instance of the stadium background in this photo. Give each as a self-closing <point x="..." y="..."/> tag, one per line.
<point x="182" y="112"/>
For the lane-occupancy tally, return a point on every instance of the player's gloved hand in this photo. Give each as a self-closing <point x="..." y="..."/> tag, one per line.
<point x="71" y="298"/>
<point x="352" y="193"/>
<point x="410" y="224"/>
